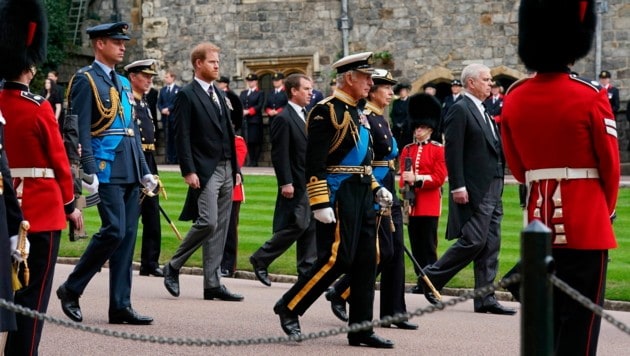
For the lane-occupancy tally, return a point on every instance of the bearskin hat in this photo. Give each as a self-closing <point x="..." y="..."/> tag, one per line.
<point x="23" y="32"/>
<point x="424" y="109"/>
<point x="555" y="33"/>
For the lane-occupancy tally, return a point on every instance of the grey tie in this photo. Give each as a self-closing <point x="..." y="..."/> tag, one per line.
<point x="489" y="121"/>
<point x="214" y="97"/>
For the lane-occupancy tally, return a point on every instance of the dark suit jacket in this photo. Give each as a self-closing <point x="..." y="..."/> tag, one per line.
<point x="166" y="99"/>
<point x="471" y="160"/>
<point x="199" y="137"/>
<point x="288" y="155"/>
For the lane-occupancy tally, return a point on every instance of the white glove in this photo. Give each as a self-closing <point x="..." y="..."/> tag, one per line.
<point x="384" y="198"/>
<point x="325" y="216"/>
<point x="17" y="256"/>
<point x="149" y="182"/>
<point x="91" y="188"/>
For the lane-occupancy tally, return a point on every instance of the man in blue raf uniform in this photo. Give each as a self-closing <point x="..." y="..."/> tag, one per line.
<point x="111" y="148"/>
<point x="341" y="191"/>
<point x="140" y="75"/>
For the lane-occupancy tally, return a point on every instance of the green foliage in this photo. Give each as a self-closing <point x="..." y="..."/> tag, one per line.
<point x="57" y="12"/>
<point x="257" y="214"/>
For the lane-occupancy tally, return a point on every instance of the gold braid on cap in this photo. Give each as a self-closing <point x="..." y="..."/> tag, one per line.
<point x="106" y="114"/>
<point x="341" y="128"/>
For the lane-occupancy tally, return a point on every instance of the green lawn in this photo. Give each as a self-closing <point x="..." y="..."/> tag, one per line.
<point x="257" y="213"/>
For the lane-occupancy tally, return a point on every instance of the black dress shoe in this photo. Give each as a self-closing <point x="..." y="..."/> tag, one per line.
<point x="428" y="295"/>
<point x="157" y="271"/>
<point x="495" y="309"/>
<point x="221" y="293"/>
<point x="337" y="304"/>
<point x="371" y="340"/>
<point x="404" y="325"/>
<point x="70" y="303"/>
<point x="260" y="272"/>
<point x="416" y="290"/>
<point x="171" y="280"/>
<point x="128" y="316"/>
<point x="226" y="273"/>
<point x="288" y="320"/>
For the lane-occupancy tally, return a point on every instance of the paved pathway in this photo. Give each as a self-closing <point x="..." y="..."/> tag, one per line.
<point x="454" y="331"/>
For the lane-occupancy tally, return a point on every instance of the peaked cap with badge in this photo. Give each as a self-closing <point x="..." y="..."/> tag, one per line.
<point x="383" y="76"/>
<point x="148" y="66"/>
<point x="115" y="30"/>
<point x="361" y="62"/>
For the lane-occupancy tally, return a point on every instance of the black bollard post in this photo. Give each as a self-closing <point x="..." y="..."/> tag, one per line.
<point x="536" y="291"/>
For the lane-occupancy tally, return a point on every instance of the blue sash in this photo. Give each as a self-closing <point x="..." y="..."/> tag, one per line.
<point x="355" y="157"/>
<point x="380" y="172"/>
<point x="104" y="147"/>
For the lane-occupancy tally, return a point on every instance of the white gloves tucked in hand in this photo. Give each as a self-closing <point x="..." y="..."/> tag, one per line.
<point x="384" y="198"/>
<point x="325" y="216"/>
<point x="149" y="182"/>
<point x="91" y="188"/>
<point x="17" y="256"/>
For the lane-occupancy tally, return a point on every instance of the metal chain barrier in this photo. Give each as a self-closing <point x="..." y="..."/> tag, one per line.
<point x="315" y="335"/>
<point x="587" y="303"/>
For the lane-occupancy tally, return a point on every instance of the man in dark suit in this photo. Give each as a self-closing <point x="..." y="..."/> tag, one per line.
<point x="166" y="102"/>
<point x="450" y="100"/>
<point x="494" y="103"/>
<point x="474" y="160"/>
<point x="292" y="217"/>
<point x="315" y="98"/>
<point x="253" y="102"/>
<point x="207" y="160"/>
<point x="613" y="92"/>
<point x="111" y="149"/>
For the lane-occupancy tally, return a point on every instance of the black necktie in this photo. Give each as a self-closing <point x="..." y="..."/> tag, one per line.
<point x="112" y="74"/>
<point x="304" y="113"/>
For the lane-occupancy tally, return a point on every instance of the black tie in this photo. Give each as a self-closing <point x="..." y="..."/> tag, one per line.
<point x="304" y="113"/>
<point x="112" y="74"/>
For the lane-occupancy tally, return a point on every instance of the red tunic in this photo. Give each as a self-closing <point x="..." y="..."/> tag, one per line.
<point x="570" y="126"/>
<point x="429" y="161"/>
<point x="32" y="140"/>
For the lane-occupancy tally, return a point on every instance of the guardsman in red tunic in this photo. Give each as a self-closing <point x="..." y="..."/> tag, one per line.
<point x="39" y="164"/>
<point x="560" y="139"/>
<point x="423" y="170"/>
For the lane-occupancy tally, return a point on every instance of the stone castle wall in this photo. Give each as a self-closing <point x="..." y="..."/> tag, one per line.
<point x="430" y="40"/>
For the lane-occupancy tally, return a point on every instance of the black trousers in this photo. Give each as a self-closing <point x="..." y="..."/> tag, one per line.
<point x="391" y="266"/>
<point x="228" y="262"/>
<point x="423" y="239"/>
<point x="576" y="328"/>
<point x="348" y="246"/>
<point x="41" y="263"/>
<point x="151" y="229"/>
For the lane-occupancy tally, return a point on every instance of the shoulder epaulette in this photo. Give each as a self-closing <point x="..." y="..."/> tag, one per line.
<point x="37" y="99"/>
<point x="591" y="83"/>
<point x="516" y="84"/>
<point x="325" y="100"/>
<point x="84" y="69"/>
<point x="410" y="144"/>
<point x="435" y="143"/>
